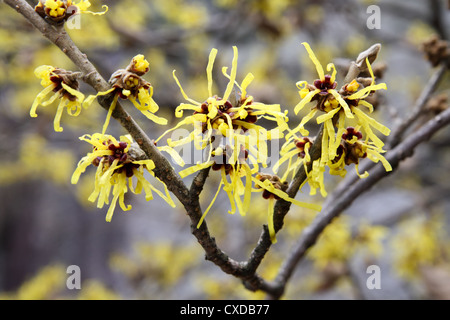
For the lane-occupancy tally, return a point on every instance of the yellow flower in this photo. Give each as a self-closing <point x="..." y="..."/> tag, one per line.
<point x="417" y="244"/>
<point x="369" y="238"/>
<point x="231" y="116"/>
<point x="338" y="106"/>
<point x="294" y="147"/>
<point x="44" y="285"/>
<point x="335" y="244"/>
<point x="344" y="104"/>
<point x="64" y="84"/>
<point x="139" y="64"/>
<point x="351" y="149"/>
<point x="322" y="89"/>
<point x="127" y="84"/>
<point x="96" y="290"/>
<point x="116" y="165"/>
<point x="60" y="11"/>
<point x="234" y="187"/>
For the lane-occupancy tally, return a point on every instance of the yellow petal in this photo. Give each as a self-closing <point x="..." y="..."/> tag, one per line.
<point x="174" y="154"/>
<point x="59" y="110"/>
<point x="245" y="83"/>
<point x="155" y="119"/>
<point x="365" y="91"/>
<point x="333" y="75"/>
<point x="342" y="102"/>
<point x="182" y="91"/>
<point x="232" y="75"/>
<point x="110" y="111"/>
<point x="327" y="116"/>
<point x="198" y="167"/>
<point x="316" y="62"/>
<point x="248" y="187"/>
<point x="39" y="98"/>
<point x="73" y="92"/>
<point x="305" y="100"/>
<point x="210" y="205"/>
<point x="212" y="58"/>
<point x="372" y="122"/>
<point x="366" y="104"/>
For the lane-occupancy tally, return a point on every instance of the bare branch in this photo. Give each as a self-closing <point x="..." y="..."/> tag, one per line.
<point x="418" y="108"/>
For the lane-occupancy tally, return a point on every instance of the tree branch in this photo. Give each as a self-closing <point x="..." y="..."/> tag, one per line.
<point x="282" y="207"/>
<point x="163" y="170"/>
<point x="398" y="131"/>
<point x="189" y="197"/>
<point x="333" y="208"/>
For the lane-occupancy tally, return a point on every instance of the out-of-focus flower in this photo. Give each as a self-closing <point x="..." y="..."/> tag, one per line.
<point x="96" y="290"/>
<point x="416" y="245"/>
<point x="32" y="163"/>
<point x="59" y="11"/>
<point x="128" y="84"/>
<point x="47" y="282"/>
<point x="64" y="86"/>
<point x="334" y="244"/>
<point x="435" y="50"/>
<point x="369" y="238"/>
<point x="116" y="165"/>
<point x="161" y="263"/>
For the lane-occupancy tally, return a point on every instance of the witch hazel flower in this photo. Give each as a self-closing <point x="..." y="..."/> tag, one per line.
<point x="232" y="174"/>
<point x="128" y="84"/>
<point x="353" y="148"/>
<point x="338" y="106"/>
<point x="231" y="117"/>
<point x="63" y="85"/>
<point x="295" y="151"/>
<point x="59" y="11"/>
<point x="339" y="109"/>
<point x="117" y="163"/>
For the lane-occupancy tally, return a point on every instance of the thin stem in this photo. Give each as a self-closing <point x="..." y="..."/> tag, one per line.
<point x="418" y="108"/>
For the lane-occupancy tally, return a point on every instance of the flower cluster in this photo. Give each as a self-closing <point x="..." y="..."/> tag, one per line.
<point x="59" y="11"/>
<point x="224" y="128"/>
<point x="112" y="158"/>
<point x="115" y="162"/>
<point x="232" y="117"/>
<point x="340" y="145"/>
<point x="116" y="165"/>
